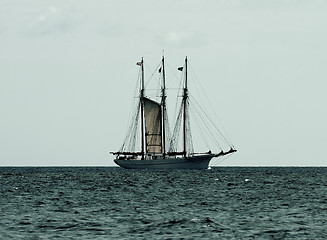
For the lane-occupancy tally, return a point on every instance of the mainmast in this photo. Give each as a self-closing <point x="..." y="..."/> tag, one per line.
<point x="142" y="108"/>
<point x="185" y="96"/>
<point x="163" y="100"/>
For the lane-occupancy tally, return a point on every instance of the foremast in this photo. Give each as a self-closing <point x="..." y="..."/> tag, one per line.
<point x="186" y="128"/>
<point x="142" y="110"/>
<point x="185" y="103"/>
<point x="163" y="103"/>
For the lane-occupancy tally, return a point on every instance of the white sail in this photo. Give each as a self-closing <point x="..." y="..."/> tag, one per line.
<point x="153" y="129"/>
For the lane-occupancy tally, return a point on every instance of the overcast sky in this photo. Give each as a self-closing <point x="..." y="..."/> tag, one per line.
<point x="68" y="72"/>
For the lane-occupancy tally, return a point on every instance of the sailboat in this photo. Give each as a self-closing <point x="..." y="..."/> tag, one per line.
<point x="151" y="117"/>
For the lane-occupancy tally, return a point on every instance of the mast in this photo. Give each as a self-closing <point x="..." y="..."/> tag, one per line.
<point x="163" y="99"/>
<point x="185" y="96"/>
<point x="142" y="108"/>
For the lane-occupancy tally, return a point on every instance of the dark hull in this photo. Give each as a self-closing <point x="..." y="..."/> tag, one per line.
<point x="195" y="162"/>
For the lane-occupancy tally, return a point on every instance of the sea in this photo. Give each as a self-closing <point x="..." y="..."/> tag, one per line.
<point x="115" y="203"/>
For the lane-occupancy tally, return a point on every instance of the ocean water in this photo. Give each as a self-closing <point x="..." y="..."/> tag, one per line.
<point x="114" y="203"/>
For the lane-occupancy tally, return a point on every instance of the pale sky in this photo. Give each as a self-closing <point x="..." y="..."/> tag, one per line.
<point x="68" y="72"/>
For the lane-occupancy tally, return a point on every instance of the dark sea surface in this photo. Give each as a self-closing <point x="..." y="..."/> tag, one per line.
<point x="114" y="203"/>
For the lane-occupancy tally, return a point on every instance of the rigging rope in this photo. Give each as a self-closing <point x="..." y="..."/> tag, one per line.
<point x="221" y="160"/>
<point x="175" y="135"/>
<point x="189" y="143"/>
<point x="222" y="137"/>
<point x="209" y="130"/>
<point x="201" y="131"/>
<point x="212" y="108"/>
<point x="155" y="71"/>
<point x="133" y="110"/>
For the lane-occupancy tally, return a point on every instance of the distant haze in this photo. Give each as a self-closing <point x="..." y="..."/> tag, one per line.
<point x="68" y="74"/>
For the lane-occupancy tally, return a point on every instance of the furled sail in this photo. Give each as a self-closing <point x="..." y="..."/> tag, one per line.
<point x="153" y="133"/>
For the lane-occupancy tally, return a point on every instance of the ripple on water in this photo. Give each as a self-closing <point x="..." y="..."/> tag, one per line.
<point x="220" y="203"/>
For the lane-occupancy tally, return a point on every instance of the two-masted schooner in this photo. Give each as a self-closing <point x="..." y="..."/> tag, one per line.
<point x="155" y="152"/>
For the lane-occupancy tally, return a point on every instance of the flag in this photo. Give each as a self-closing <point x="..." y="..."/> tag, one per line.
<point x="139" y="63"/>
<point x="159" y="70"/>
<point x="180" y="68"/>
